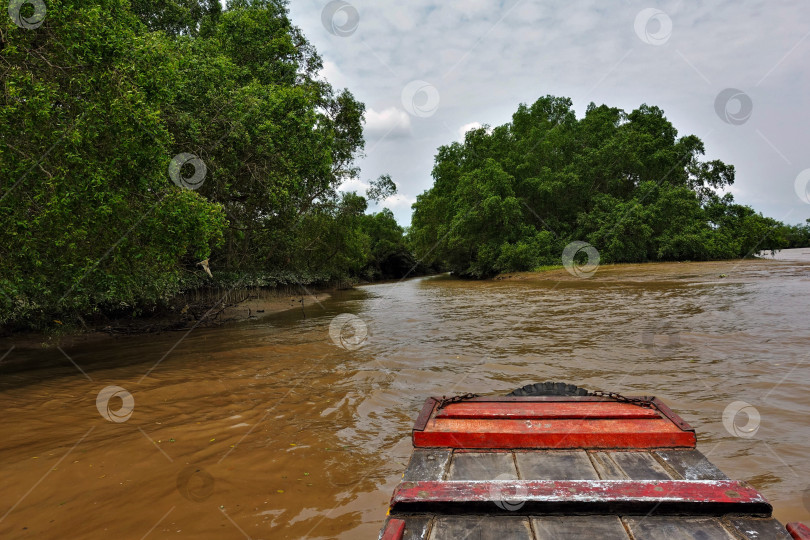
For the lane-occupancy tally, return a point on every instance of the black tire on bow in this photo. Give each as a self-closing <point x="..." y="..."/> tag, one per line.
<point x="549" y="389"/>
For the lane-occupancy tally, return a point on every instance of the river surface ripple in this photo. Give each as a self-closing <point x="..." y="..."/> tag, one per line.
<point x="269" y="429"/>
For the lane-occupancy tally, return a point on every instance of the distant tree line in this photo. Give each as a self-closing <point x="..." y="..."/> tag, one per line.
<point x="98" y="100"/>
<point x="512" y="197"/>
<point x="797" y="236"/>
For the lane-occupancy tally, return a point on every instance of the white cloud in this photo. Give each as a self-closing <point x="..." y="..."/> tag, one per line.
<point x="389" y="123"/>
<point x="467" y="127"/>
<point x="398" y="201"/>
<point x="333" y="75"/>
<point x="356" y="185"/>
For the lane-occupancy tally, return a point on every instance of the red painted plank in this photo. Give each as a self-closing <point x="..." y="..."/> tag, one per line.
<point x="798" y="531"/>
<point x="666" y="495"/>
<point x="545" y="410"/>
<point x="726" y="491"/>
<point x="565" y="433"/>
<point x="394" y="531"/>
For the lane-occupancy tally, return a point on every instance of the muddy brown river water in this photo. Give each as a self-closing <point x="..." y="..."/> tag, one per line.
<point x="272" y="429"/>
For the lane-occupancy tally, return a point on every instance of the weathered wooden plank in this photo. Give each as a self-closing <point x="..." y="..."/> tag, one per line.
<point x="714" y="497"/>
<point x="555" y="465"/>
<point x="578" y="528"/>
<point x="427" y="464"/>
<point x="545" y="410"/>
<point x="482" y="466"/>
<point x="758" y="529"/>
<point x="605" y="467"/>
<point x="640" y="466"/>
<point x="557" y="434"/>
<point x="416" y="528"/>
<point x="481" y="528"/>
<point x="676" y="528"/>
<point x="691" y="464"/>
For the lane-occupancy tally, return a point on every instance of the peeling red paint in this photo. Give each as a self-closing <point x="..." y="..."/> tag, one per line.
<point x="696" y="492"/>
<point x="799" y="531"/>
<point x="394" y="530"/>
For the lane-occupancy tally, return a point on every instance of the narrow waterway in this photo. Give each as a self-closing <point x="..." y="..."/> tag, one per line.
<point x="274" y="428"/>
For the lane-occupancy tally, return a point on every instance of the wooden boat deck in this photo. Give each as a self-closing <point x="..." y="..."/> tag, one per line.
<point x="460" y="465"/>
<point x="516" y="481"/>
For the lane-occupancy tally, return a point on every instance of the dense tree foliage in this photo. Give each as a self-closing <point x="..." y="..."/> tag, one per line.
<point x="798" y="236"/>
<point x="177" y="16"/>
<point x="99" y="99"/>
<point x="512" y="197"/>
<point x="390" y="257"/>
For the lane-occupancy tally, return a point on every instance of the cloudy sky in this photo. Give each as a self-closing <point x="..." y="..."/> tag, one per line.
<point x="429" y="69"/>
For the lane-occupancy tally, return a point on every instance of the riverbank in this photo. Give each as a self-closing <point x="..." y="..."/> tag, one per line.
<point x="224" y="300"/>
<point x="217" y="306"/>
<point x="648" y="271"/>
<point x="201" y="308"/>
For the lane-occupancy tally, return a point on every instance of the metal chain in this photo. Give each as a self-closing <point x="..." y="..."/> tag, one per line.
<point x="455" y="399"/>
<point x="641" y="402"/>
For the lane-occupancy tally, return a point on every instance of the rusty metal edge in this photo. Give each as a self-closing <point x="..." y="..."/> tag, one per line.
<point x="671" y="415"/>
<point x="425" y="414"/>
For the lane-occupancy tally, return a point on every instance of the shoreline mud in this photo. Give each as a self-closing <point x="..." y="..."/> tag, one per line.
<point x="185" y="313"/>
